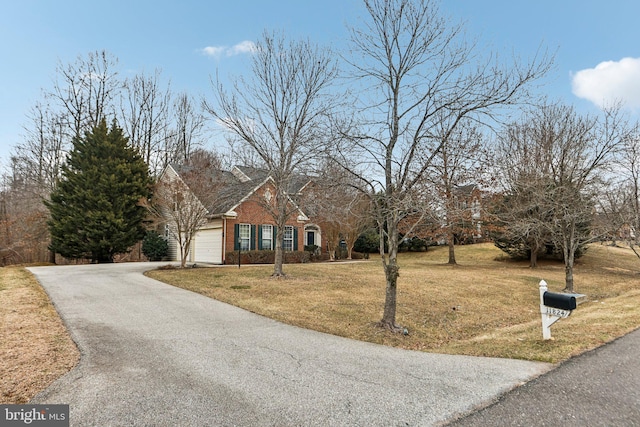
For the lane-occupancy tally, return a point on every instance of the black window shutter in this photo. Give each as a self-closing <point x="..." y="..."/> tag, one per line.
<point x="275" y="233"/>
<point x="253" y="238"/>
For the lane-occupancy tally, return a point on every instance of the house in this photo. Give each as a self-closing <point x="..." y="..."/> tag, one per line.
<point x="465" y="211"/>
<point x="238" y="216"/>
<point x="468" y="205"/>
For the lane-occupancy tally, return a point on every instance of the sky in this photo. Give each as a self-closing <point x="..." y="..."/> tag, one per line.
<point x="596" y="43"/>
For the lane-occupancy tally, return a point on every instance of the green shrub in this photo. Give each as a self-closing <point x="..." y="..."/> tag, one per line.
<point x="414" y="244"/>
<point x="368" y="242"/>
<point x="154" y="246"/>
<point x="267" y="257"/>
<point x="297" y="257"/>
<point x="311" y="248"/>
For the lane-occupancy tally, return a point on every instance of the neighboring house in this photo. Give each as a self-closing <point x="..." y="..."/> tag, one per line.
<point x="239" y="217"/>
<point x="468" y="199"/>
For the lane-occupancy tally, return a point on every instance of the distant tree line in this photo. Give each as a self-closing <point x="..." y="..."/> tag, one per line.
<point x="162" y="127"/>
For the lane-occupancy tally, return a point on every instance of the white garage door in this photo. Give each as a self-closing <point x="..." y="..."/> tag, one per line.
<point x="207" y="246"/>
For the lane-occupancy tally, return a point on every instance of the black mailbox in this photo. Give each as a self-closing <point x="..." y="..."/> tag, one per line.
<point x="561" y="301"/>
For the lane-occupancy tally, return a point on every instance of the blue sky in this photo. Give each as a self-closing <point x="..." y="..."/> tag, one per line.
<point x="597" y="42"/>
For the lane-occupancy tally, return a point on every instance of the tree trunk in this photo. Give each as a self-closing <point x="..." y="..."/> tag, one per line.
<point x="452" y="253"/>
<point x="281" y="203"/>
<point x="451" y="244"/>
<point x="568" y="270"/>
<point x="183" y="253"/>
<point x="391" y="271"/>
<point x="569" y="254"/>
<point x="533" y="259"/>
<point x="279" y="254"/>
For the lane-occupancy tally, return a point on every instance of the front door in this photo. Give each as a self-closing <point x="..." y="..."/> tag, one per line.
<point x="311" y="238"/>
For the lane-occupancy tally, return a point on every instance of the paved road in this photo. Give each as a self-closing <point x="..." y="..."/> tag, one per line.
<point x="599" y="388"/>
<point x="156" y="355"/>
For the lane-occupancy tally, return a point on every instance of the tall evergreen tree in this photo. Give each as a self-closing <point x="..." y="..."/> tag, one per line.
<point x="95" y="210"/>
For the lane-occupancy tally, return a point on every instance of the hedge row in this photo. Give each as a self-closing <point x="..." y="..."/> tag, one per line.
<point x="267" y="257"/>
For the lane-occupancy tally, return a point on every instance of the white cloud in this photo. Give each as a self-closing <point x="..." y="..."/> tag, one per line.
<point x="241" y="48"/>
<point x="244" y="47"/>
<point x="610" y="82"/>
<point x="215" y="51"/>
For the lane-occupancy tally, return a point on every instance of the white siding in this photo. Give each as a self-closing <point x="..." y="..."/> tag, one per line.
<point x="174" y="252"/>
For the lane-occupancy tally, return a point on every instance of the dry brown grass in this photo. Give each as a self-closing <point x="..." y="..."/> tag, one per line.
<point x="485" y="306"/>
<point x="35" y="348"/>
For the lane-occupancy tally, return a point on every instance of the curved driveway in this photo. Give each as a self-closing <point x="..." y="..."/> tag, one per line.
<point x="156" y="355"/>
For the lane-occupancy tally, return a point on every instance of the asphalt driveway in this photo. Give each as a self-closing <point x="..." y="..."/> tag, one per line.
<point x="157" y="355"/>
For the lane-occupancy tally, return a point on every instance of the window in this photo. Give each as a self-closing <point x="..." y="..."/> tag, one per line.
<point x="266" y="237"/>
<point x="287" y="244"/>
<point x="244" y="236"/>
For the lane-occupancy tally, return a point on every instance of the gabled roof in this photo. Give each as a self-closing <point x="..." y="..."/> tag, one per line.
<point x="248" y="173"/>
<point x="465" y="190"/>
<point x="238" y="185"/>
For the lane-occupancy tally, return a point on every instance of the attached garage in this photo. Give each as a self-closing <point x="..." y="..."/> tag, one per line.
<point x="207" y="246"/>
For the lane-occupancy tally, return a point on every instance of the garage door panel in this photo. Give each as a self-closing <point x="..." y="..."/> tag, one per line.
<point x="207" y="246"/>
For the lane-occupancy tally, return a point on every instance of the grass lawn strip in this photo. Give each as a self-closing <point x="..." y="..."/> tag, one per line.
<point x="35" y="348"/>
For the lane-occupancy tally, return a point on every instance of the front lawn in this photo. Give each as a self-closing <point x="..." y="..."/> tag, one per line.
<point x="485" y="306"/>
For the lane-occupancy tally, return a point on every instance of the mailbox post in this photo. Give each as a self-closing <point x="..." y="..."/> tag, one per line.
<point x="553" y="307"/>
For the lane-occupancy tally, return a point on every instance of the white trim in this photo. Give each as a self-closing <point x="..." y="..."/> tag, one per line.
<point x="240" y="238"/>
<point x="261" y="238"/>
<point x="239" y="174"/>
<point x="285" y="239"/>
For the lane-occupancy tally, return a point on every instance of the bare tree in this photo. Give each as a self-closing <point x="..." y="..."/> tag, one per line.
<point x="188" y="128"/>
<point x="524" y="210"/>
<point x="23" y="229"/>
<point x="350" y="208"/>
<point x="85" y="90"/>
<point x="36" y="163"/>
<point x="280" y="112"/>
<point x="331" y="235"/>
<point x="356" y="220"/>
<point x="567" y="154"/>
<point x="43" y="151"/>
<point x="615" y="214"/>
<point x="619" y="203"/>
<point x="184" y="200"/>
<point x="582" y="147"/>
<point x="458" y="162"/>
<point x="415" y="73"/>
<point x="340" y="209"/>
<point x="144" y="109"/>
